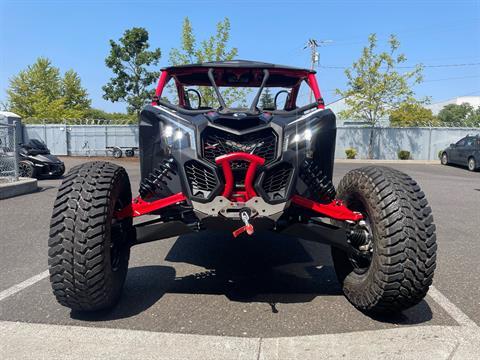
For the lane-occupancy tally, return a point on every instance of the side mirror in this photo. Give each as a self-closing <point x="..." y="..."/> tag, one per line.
<point x="452" y="145"/>
<point x="197" y="94"/>
<point x="286" y="99"/>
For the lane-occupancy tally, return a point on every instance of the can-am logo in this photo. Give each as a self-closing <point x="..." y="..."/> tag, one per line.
<point x="242" y="147"/>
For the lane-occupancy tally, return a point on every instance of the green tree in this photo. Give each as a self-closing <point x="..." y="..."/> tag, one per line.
<point x="459" y="115"/>
<point x="266" y="100"/>
<point x="473" y="118"/>
<point x="130" y="60"/>
<point x="412" y="114"/>
<point x="214" y="48"/>
<point x="75" y="96"/>
<point x="39" y="91"/>
<point x="375" y="87"/>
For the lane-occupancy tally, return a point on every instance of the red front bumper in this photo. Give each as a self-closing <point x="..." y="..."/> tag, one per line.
<point x="334" y="210"/>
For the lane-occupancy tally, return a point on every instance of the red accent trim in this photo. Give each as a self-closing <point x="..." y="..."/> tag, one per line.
<point x="312" y="82"/>
<point x="224" y="162"/>
<point x="162" y="81"/>
<point x="140" y="207"/>
<point x="335" y="210"/>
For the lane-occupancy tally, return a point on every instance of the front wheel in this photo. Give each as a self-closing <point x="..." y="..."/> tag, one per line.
<point x="27" y="169"/>
<point x="444" y="159"/>
<point x="399" y="269"/>
<point x="88" y="248"/>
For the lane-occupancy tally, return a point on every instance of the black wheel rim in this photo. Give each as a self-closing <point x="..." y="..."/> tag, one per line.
<point x="24" y="170"/>
<point x="361" y="260"/>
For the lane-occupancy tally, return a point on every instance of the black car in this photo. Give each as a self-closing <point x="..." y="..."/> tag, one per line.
<point x="465" y="152"/>
<point x="36" y="161"/>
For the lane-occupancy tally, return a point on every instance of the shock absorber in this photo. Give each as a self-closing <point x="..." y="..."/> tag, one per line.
<point x="320" y="187"/>
<point x="156" y="180"/>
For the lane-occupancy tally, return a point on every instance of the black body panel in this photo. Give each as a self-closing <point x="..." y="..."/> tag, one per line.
<point x="201" y="180"/>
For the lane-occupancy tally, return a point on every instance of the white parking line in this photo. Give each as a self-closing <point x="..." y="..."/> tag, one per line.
<point x="24" y="284"/>
<point x="450" y="308"/>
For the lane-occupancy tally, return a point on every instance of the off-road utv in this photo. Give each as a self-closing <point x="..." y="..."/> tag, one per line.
<point x="244" y="169"/>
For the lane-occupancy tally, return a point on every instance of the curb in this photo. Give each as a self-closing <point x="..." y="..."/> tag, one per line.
<point x="20" y="187"/>
<point x="21" y="340"/>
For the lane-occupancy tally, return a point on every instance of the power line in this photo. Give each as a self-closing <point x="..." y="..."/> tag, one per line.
<point x="409" y="67"/>
<point x="453" y="78"/>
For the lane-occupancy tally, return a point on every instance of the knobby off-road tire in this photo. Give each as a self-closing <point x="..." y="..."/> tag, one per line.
<point x="404" y="241"/>
<point x="88" y="249"/>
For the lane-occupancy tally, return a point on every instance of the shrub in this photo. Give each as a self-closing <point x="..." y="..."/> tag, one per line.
<point x="440" y="152"/>
<point x="404" y="155"/>
<point x="351" y="153"/>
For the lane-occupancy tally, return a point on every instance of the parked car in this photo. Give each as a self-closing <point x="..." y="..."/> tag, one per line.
<point x="465" y="152"/>
<point x="246" y="170"/>
<point x="36" y="161"/>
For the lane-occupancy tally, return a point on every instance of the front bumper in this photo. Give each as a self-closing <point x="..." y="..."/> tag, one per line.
<point x="50" y="170"/>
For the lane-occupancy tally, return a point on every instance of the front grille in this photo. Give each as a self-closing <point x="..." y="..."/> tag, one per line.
<point x="201" y="179"/>
<point x="217" y="142"/>
<point x="276" y="181"/>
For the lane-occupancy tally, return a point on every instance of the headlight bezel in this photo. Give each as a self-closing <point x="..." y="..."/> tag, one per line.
<point x="299" y="135"/>
<point x="178" y="135"/>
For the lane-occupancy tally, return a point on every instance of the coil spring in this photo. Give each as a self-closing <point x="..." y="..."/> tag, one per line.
<point x="319" y="186"/>
<point x="156" y="179"/>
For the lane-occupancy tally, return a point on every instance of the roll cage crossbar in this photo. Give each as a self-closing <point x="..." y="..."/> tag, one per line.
<point x="309" y="78"/>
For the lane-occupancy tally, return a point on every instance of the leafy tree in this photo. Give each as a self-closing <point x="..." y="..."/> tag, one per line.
<point x="214" y="48"/>
<point x="39" y="91"/>
<point x="375" y="87"/>
<point x="459" y="115"/>
<point x="412" y="114"/>
<point x="266" y="100"/>
<point x="130" y="61"/>
<point x="75" y="96"/>
<point x="473" y="118"/>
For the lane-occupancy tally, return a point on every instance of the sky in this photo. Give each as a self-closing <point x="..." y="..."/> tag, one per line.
<point x="444" y="35"/>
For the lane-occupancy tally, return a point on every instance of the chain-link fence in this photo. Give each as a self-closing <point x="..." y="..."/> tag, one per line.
<point x="8" y="153"/>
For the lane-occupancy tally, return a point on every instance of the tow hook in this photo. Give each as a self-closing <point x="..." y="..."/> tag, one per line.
<point x="248" y="228"/>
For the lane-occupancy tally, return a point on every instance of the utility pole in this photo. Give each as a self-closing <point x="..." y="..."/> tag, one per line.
<point x="313" y="44"/>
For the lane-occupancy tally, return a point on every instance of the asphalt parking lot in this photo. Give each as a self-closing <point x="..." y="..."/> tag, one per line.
<point x="262" y="287"/>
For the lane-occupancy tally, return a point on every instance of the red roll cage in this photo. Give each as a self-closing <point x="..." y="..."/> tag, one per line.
<point x="238" y="76"/>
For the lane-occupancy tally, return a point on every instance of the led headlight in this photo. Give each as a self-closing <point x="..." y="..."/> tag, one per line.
<point x="298" y="137"/>
<point x="178" y="135"/>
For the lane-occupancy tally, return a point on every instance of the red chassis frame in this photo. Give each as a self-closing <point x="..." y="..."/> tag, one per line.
<point x="334" y="210"/>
